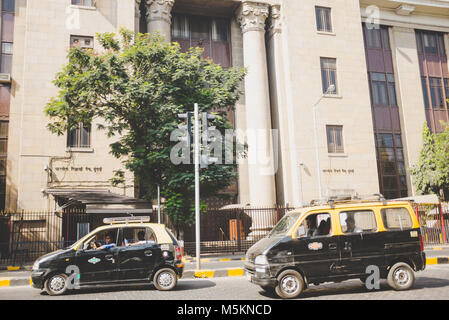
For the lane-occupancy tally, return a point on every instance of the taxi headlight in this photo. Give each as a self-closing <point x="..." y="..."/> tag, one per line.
<point x="261" y="260"/>
<point x="36" y="265"/>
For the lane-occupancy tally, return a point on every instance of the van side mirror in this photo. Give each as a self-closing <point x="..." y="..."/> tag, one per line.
<point x="301" y="232"/>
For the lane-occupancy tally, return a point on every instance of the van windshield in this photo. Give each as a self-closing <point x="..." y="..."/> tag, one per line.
<point x="284" y="224"/>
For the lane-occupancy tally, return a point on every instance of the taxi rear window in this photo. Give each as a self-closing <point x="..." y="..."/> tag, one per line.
<point x="396" y="218"/>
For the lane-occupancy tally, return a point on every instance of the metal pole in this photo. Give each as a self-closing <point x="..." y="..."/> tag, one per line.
<point x="197" y="185"/>
<point x="158" y="204"/>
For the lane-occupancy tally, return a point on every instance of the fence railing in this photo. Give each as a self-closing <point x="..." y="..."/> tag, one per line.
<point x="24" y="236"/>
<point x="434" y="222"/>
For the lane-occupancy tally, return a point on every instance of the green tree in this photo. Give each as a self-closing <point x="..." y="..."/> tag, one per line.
<point x="138" y="85"/>
<point x="431" y="173"/>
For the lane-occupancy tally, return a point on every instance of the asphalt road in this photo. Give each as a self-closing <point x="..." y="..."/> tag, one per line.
<point x="431" y="284"/>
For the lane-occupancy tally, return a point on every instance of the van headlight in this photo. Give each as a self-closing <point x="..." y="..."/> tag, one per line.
<point x="36" y="265"/>
<point x="262" y="259"/>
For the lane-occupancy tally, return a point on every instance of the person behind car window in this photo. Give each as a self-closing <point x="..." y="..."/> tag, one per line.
<point x="311" y="226"/>
<point x="324" y="227"/>
<point x="141" y="238"/>
<point x="108" y="243"/>
<point x="350" y="225"/>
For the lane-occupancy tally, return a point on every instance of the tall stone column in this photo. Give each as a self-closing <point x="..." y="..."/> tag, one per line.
<point x="261" y="166"/>
<point x="159" y="17"/>
<point x="137" y="16"/>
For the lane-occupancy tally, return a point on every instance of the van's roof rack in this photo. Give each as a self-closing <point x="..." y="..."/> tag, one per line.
<point x="126" y="220"/>
<point x="348" y="198"/>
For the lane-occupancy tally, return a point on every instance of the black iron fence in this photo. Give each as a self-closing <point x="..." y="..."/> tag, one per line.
<point x="24" y="236"/>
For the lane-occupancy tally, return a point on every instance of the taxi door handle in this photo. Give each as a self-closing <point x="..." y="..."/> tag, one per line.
<point x="148" y="253"/>
<point x="332" y="246"/>
<point x="110" y="257"/>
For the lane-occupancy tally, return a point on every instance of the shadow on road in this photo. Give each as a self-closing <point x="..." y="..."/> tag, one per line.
<point x="181" y="286"/>
<point x="357" y="287"/>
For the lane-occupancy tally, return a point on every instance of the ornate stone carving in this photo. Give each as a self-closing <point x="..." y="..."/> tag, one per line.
<point x="275" y="19"/>
<point x="252" y="15"/>
<point x="159" y="10"/>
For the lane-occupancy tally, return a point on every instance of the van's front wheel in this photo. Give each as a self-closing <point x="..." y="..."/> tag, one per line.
<point x="290" y="284"/>
<point x="401" y="277"/>
<point x="56" y="285"/>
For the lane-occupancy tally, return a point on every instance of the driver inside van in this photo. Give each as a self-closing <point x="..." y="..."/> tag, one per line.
<point x="311" y="226"/>
<point x="108" y="243"/>
<point x="350" y="223"/>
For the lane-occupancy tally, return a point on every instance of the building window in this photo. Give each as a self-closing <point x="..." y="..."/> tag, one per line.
<point x="81" y="42"/>
<point x="79" y="137"/>
<point x="85" y="3"/>
<point x="377" y="37"/>
<point x="329" y="74"/>
<point x="391" y="165"/>
<point x="211" y="34"/>
<point x="323" y="19"/>
<point x="435" y="87"/>
<point x="335" y="139"/>
<point x="383" y="89"/>
<point x="8" y="5"/>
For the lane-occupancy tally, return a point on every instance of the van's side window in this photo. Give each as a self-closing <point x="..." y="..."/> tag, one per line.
<point x="396" y="218"/>
<point x="136" y="236"/>
<point x="318" y="224"/>
<point x="358" y="221"/>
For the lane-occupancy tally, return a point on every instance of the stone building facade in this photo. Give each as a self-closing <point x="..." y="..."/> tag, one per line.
<point x="337" y="91"/>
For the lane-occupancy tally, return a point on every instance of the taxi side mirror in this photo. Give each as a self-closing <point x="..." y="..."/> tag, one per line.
<point x="301" y="232"/>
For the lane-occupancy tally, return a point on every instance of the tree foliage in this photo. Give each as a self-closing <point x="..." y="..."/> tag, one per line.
<point x="431" y="173"/>
<point x="137" y="85"/>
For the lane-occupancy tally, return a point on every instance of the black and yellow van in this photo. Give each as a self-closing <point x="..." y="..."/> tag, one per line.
<point x="128" y="250"/>
<point x="336" y="241"/>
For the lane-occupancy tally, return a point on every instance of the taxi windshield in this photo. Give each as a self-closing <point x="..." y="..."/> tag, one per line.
<point x="284" y="224"/>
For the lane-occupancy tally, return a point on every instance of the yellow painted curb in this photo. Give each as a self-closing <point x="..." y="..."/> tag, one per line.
<point x="236" y="272"/>
<point x="430" y="261"/>
<point x="4" y="283"/>
<point x="225" y="259"/>
<point x="12" y="268"/>
<point x="439" y="248"/>
<point x="204" y="274"/>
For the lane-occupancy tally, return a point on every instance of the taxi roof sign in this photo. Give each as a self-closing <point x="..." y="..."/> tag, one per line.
<point x="133" y="219"/>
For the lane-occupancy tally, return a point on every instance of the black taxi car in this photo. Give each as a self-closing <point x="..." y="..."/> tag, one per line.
<point x="336" y="241"/>
<point x="128" y="250"/>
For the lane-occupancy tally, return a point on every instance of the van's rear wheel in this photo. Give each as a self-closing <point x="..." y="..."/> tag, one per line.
<point x="290" y="284"/>
<point x="401" y="277"/>
<point x="165" y="279"/>
<point x="56" y="284"/>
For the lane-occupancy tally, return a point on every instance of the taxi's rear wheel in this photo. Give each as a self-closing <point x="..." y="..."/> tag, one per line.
<point x="401" y="276"/>
<point x="165" y="279"/>
<point x="56" y="284"/>
<point x="290" y="284"/>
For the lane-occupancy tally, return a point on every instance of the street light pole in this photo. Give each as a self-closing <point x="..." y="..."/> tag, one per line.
<point x="331" y="88"/>
<point x="197" y="184"/>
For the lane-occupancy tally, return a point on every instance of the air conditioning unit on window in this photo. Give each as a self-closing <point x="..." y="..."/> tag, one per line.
<point x="5" y="77"/>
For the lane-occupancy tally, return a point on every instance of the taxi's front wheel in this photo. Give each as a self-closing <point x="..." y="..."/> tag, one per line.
<point x="290" y="284"/>
<point x="165" y="279"/>
<point x="56" y="284"/>
<point x="401" y="276"/>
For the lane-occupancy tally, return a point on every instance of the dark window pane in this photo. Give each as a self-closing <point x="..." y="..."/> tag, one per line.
<point x="419" y="42"/>
<point x="430" y="44"/>
<point x="72" y="138"/>
<point x="4" y="129"/>
<point x="2" y="167"/>
<point x="384" y="140"/>
<point x="388" y="168"/>
<point x="8" y="27"/>
<point x="373" y="38"/>
<point x="3" y="146"/>
<point x="85" y="136"/>
<point x="200" y="28"/>
<point x="424" y="90"/>
<point x="390" y="183"/>
<point x="220" y="30"/>
<point x="180" y="27"/>
<point x="441" y="49"/>
<point x="385" y="38"/>
<point x="328" y="74"/>
<point x="323" y="19"/>
<point x="6" y="63"/>
<point x="397" y="141"/>
<point x="392" y="94"/>
<point x="8" y="5"/>
<point x="335" y="139"/>
<point x="436" y="92"/>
